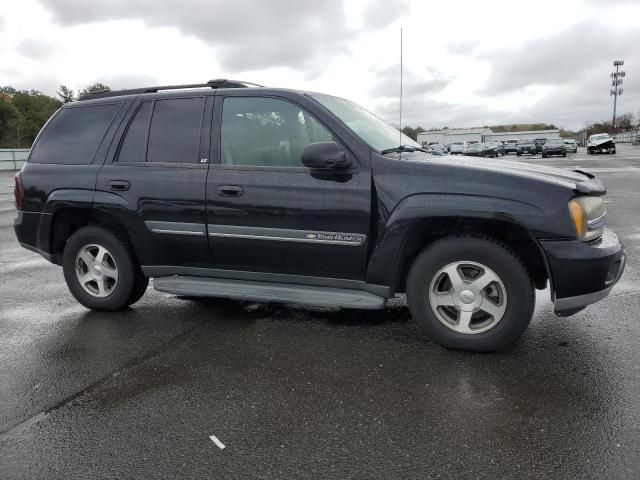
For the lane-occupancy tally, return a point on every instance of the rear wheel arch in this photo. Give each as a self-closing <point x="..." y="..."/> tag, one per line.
<point x="66" y="221"/>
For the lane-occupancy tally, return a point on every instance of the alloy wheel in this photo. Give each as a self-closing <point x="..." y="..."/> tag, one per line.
<point x="467" y="297"/>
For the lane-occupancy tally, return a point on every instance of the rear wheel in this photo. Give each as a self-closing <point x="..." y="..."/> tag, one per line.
<point x="100" y="270"/>
<point x="470" y="294"/>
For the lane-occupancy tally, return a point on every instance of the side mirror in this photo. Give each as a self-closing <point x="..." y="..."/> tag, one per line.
<point x="325" y="155"/>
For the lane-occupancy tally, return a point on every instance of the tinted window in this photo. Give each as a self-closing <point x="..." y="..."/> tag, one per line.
<point x="175" y="130"/>
<point x="267" y="132"/>
<point x="72" y="137"/>
<point x="134" y="146"/>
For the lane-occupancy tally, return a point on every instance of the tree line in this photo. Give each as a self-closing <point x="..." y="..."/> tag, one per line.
<point x="24" y="112"/>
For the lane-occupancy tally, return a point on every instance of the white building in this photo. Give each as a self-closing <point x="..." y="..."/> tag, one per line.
<point x="504" y="136"/>
<point x="483" y="134"/>
<point x="449" y="136"/>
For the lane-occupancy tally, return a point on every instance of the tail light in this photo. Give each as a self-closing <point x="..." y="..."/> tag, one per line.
<point x="18" y="191"/>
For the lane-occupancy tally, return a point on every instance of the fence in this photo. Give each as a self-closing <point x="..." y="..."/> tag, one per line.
<point x="632" y="136"/>
<point x="13" y="158"/>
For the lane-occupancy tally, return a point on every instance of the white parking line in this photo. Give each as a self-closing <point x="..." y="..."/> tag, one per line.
<point x="217" y="442"/>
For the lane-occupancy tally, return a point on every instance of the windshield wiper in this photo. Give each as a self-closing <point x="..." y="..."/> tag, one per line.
<point x="403" y="148"/>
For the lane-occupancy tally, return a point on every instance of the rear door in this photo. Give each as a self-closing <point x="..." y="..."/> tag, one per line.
<point x="267" y="212"/>
<point x="154" y="182"/>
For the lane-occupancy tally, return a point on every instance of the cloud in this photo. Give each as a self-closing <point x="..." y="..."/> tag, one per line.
<point x="35" y="48"/>
<point x="564" y="59"/>
<point x="248" y="35"/>
<point x="387" y="83"/>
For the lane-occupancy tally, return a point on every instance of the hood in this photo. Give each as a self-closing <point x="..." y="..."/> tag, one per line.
<point x="576" y="180"/>
<point x="602" y="141"/>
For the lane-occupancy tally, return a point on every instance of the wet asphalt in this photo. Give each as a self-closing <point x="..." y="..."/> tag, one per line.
<point x="294" y="392"/>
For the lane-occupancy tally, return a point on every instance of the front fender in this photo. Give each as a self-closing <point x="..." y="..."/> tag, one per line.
<point x="434" y="213"/>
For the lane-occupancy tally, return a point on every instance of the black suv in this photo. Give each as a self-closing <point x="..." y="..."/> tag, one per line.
<point x="260" y="194"/>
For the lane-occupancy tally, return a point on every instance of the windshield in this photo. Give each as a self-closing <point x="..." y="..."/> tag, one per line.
<point x="600" y="136"/>
<point x="556" y="141"/>
<point x="377" y="133"/>
<point x="525" y="141"/>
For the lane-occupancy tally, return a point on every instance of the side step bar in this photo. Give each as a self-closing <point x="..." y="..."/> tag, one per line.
<point x="269" y="292"/>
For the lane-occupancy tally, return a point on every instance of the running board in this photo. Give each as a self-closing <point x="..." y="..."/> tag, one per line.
<point x="269" y="292"/>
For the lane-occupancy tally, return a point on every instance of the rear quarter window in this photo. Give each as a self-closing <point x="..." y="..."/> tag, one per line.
<point x="73" y="135"/>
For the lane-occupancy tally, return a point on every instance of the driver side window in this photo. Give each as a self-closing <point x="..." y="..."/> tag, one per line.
<point x="267" y="132"/>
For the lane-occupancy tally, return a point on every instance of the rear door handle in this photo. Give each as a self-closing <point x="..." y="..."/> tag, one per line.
<point x="119" y="185"/>
<point x="230" y="190"/>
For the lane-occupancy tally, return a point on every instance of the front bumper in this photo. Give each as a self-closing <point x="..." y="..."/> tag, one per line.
<point x="523" y="150"/>
<point x="549" y="151"/>
<point x="581" y="273"/>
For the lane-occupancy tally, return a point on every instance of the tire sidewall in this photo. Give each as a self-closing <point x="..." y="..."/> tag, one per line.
<point x="518" y="285"/>
<point x="126" y="272"/>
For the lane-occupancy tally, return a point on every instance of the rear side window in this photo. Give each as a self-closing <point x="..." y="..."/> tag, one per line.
<point x="134" y="145"/>
<point x="174" y="136"/>
<point x="73" y="136"/>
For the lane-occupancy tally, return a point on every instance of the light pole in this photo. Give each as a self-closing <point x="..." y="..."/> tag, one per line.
<point x="616" y="89"/>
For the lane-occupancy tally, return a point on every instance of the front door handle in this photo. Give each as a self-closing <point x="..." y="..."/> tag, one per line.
<point x="230" y="190"/>
<point x="119" y="185"/>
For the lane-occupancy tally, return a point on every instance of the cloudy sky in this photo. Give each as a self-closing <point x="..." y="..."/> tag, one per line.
<point x="467" y="62"/>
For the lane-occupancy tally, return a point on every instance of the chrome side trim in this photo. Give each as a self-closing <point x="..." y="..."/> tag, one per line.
<point x="177" y="228"/>
<point x="287" y="235"/>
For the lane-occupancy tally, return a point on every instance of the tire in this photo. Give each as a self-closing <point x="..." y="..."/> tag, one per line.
<point x="120" y="281"/>
<point x="544" y="156"/>
<point x="564" y="154"/>
<point x="519" y="154"/>
<point x="488" y="335"/>
<point x="614" y="152"/>
<point x="139" y="289"/>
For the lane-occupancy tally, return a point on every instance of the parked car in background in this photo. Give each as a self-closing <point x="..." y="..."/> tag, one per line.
<point x="526" y="146"/>
<point x="539" y="144"/>
<point x="571" y="145"/>
<point x="511" y="146"/>
<point x="481" y="150"/>
<point x="474" y="150"/>
<point x="601" y="143"/>
<point x="498" y="146"/>
<point x="456" y="148"/>
<point x="437" y="149"/>
<point x="554" y="146"/>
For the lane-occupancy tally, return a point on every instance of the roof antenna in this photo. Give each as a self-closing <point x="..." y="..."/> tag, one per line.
<point x="400" y="86"/>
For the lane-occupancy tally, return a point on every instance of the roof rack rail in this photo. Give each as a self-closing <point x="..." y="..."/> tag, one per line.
<point x="217" y="83"/>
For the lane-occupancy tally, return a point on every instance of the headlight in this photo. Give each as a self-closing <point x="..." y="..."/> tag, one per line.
<point x="588" y="215"/>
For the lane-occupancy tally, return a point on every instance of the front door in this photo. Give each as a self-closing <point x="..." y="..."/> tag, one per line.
<point x="268" y="213"/>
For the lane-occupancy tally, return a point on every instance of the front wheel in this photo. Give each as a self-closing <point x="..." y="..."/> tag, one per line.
<point x="471" y="294"/>
<point x="100" y="270"/>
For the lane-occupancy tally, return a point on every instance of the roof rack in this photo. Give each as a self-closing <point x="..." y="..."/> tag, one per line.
<point x="217" y="83"/>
